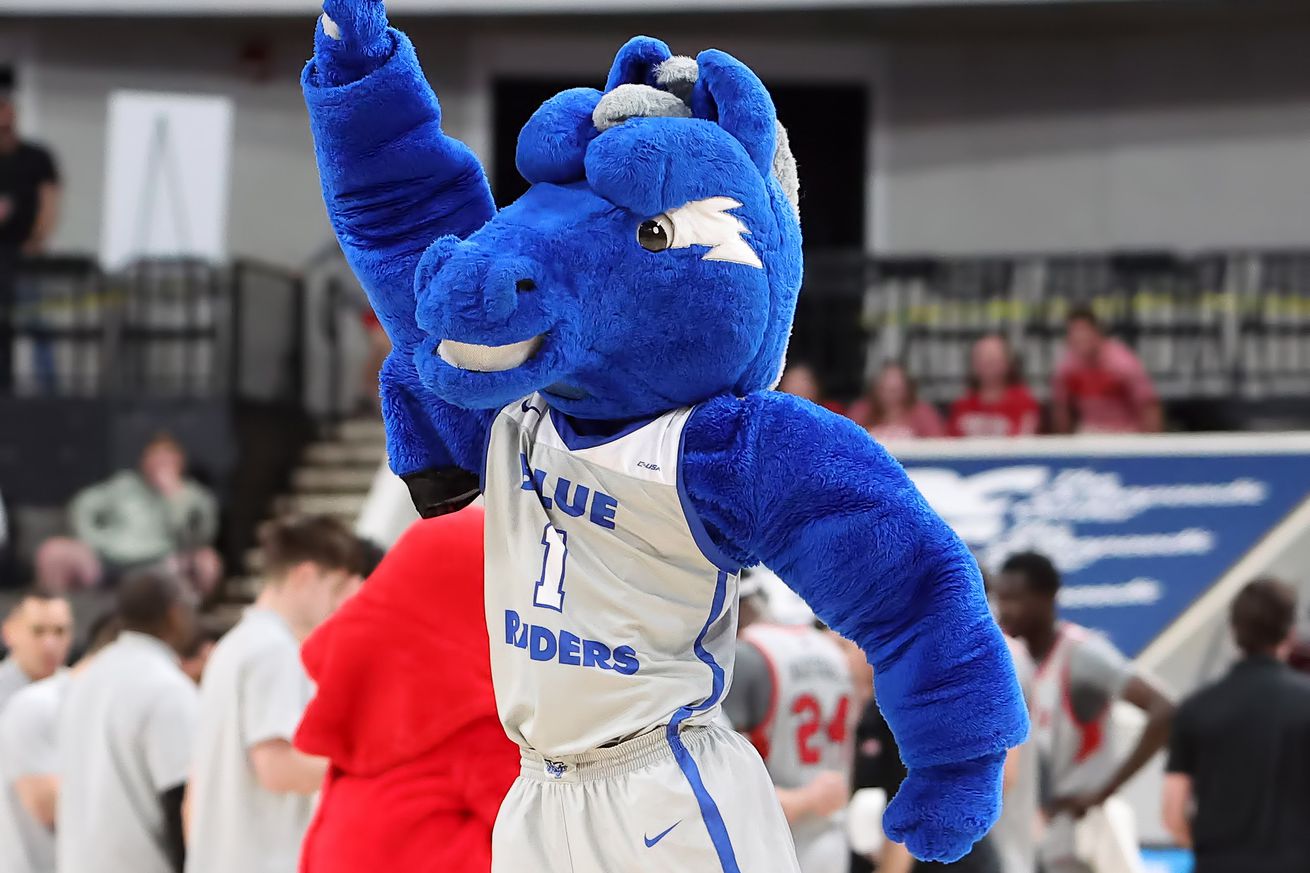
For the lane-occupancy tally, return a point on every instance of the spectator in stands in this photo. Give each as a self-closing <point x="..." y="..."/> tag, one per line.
<point x="29" y="763"/>
<point x="1237" y="787"/>
<point x="151" y="516"/>
<point x="800" y="379"/>
<point x="891" y="408"/>
<point x="29" y="211"/>
<point x="1079" y="675"/>
<point x="38" y="633"/>
<point x="997" y="403"/>
<point x="251" y="792"/>
<point x="1100" y="386"/>
<point x="126" y="730"/>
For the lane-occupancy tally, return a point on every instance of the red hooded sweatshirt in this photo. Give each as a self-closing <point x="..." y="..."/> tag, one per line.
<point x="405" y="712"/>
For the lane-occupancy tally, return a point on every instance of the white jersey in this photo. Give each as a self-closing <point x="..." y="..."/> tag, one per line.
<point x="1076" y="752"/>
<point x="808" y="729"/>
<point x="607" y="617"/>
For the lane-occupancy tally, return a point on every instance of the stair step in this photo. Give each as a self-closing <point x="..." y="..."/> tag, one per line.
<point x="240" y="590"/>
<point x="309" y="480"/>
<point x="361" y="430"/>
<point x="346" y="454"/>
<point x="343" y="506"/>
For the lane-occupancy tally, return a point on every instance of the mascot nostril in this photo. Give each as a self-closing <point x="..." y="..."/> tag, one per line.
<point x="632" y="457"/>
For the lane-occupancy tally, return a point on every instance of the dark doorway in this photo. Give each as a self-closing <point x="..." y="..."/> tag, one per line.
<point x="513" y="102"/>
<point x="828" y="126"/>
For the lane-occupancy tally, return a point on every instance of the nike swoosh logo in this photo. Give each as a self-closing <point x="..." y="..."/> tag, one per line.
<point x="650" y="842"/>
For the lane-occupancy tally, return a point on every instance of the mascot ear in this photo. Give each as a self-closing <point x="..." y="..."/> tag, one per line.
<point x="727" y="92"/>
<point x="636" y="62"/>
<point x="553" y="144"/>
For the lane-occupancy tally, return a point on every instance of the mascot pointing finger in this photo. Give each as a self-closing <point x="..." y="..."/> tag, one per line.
<point x="596" y="360"/>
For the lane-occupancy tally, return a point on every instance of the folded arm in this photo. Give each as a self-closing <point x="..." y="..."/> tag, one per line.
<point x="811" y="495"/>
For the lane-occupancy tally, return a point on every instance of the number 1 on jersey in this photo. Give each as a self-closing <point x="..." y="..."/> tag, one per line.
<point x="549" y="593"/>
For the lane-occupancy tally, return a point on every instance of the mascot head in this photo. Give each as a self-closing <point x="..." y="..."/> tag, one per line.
<point x="654" y="262"/>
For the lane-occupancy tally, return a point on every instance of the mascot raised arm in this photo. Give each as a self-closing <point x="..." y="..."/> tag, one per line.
<point x="596" y="360"/>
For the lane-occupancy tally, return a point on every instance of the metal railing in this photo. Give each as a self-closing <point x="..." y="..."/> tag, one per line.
<point x="174" y="329"/>
<point x="1230" y="324"/>
<point x="1226" y="324"/>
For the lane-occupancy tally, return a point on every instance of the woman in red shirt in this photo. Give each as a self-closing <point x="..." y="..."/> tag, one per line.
<point x="997" y="403"/>
<point x="891" y="408"/>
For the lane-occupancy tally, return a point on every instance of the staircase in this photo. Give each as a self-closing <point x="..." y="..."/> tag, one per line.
<point x="333" y="479"/>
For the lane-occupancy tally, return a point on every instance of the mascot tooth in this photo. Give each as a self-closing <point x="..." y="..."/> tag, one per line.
<point x="634" y="461"/>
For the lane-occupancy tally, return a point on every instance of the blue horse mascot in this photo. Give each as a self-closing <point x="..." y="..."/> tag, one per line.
<point x="596" y="360"/>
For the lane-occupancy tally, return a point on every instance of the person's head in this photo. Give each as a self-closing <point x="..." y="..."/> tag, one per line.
<point x="163" y="462"/>
<point x="309" y="565"/>
<point x="892" y="391"/>
<point x="103" y="631"/>
<point x="801" y="380"/>
<point x="195" y="655"/>
<point x="752" y="600"/>
<point x="1083" y="333"/>
<point x="1024" y="593"/>
<point x="991" y="364"/>
<point x="370" y="556"/>
<point x="1262" y="617"/>
<point x="158" y="604"/>
<point x="39" y="632"/>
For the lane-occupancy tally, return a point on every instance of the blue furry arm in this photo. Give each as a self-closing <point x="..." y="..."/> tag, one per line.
<point x="392" y="180"/>
<point x="393" y="183"/>
<point x="808" y="493"/>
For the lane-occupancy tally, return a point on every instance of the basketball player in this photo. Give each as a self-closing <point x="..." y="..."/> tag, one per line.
<point x="792" y="697"/>
<point x="1079" y="676"/>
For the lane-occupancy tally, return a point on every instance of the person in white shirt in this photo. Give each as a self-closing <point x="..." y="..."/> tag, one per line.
<point x="250" y="798"/>
<point x="28" y="763"/>
<point x="38" y="632"/>
<point x="125" y="734"/>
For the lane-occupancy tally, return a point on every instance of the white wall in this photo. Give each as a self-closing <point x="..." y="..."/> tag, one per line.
<point x="1047" y="142"/>
<point x="1085" y="144"/>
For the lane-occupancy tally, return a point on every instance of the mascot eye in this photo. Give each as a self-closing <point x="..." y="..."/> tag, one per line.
<point x="655" y="234"/>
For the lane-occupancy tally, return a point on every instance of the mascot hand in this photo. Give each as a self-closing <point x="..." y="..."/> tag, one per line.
<point x="941" y="811"/>
<point x="352" y="39"/>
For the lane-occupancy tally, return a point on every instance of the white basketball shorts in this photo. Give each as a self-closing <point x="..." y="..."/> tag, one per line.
<point x="694" y="801"/>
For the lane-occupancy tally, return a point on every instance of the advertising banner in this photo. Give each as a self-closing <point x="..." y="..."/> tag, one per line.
<point x="1139" y="527"/>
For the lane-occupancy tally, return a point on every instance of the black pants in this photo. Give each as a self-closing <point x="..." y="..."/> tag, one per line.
<point x="983" y="859"/>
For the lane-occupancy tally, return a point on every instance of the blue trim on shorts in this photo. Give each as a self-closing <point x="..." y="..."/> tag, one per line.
<point x="709" y="810"/>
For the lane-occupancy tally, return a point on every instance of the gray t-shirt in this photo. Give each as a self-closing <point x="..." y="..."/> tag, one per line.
<point x="748" y="699"/>
<point x="12" y="678"/>
<point x="255" y="689"/>
<point x="125" y="734"/>
<point x="27" y="748"/>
